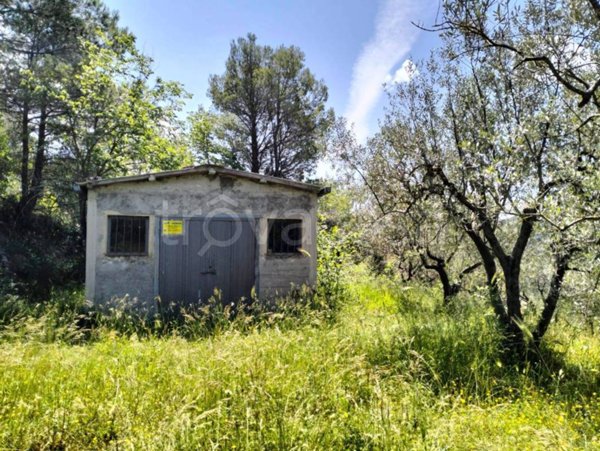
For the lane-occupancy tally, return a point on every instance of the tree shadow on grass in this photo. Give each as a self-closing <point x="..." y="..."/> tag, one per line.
<point x="464" y="355"/>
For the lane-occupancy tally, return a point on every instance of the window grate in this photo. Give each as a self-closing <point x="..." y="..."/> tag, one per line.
<point x="285" y="236"/>
<point x="127" y="235"/>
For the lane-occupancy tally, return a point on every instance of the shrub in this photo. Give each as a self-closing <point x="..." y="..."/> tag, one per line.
<point x="335" y="251"/>
<point x="37" y="256"/>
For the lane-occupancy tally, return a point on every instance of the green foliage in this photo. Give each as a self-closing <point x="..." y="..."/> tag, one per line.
<point x="81" y="102"/>
<point x="343" y="206"/>
<point x="56" y="320"/>
<point x="6" y="159"/>
<point x="278" y="105"/>
<point x="451" y="351"/>
<point x="37" y="256"/>
<point x="127" y="317"/>
<point x="336" y="250"/>
<point x="116" y="122"/>
<point x="210" y="140"/>
<point x="560" y="40"/>
<point x="475" y="149"/>
<point x="395" y="371"/>
<point x="41" y="47"/>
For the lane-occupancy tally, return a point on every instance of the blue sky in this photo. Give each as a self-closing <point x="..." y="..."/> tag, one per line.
<point x="353" y="45"/>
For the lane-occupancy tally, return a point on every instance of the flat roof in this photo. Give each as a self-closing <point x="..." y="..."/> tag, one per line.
<point x="206" y="169"/>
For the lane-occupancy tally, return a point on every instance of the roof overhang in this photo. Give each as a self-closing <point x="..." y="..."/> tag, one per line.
<point x="208" y="170"/>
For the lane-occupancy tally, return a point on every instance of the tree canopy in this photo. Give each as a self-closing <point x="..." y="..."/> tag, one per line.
<point x="210" y="138"/>
<point x="505" y="153"/>
<point x="81" y="100"/>
<point x="559" y="39"/>
<point x="41" y="43"/>
<point x="279" y="106"/>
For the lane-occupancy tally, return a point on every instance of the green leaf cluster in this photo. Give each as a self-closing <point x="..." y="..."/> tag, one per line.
<point x="278" y="105"/>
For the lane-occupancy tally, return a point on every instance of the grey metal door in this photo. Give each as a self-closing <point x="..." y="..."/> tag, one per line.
<point x="209" y="254"/>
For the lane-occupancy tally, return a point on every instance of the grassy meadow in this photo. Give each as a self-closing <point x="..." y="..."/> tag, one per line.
<point x="392" y="370"/>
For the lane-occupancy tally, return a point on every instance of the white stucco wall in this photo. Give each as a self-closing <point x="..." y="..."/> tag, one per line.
<point x="195" y="196"/>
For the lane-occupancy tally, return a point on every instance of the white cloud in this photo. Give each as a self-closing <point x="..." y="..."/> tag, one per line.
<point x="393" y="39"/>
<point x="403" y="74"/>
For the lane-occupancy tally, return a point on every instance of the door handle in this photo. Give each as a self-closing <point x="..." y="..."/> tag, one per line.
<point x="210" y="271"/>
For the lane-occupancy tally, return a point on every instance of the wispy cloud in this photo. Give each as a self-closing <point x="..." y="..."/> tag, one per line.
<point x="393" y="39"/>
<point x="403" y="74"/>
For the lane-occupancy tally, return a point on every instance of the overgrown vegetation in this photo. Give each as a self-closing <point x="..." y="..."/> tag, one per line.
<point x="395" y="370"/>
<point x="494" y="140"/>
<point x="38" y="256"/>
<point x="67" y="316"/>
<point x="472" y="235"/>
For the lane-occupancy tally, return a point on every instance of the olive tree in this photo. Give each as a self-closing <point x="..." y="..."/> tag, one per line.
<point x="405" y="223"/>
<point x="506" y="155"/>
<point x="424" y="244"/>
<point x="557" y="38"/>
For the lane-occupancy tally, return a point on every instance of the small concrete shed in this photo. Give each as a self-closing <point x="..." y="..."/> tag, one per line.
<point x="179" y="235"/>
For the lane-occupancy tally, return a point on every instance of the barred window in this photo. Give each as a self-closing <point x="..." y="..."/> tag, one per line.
<point x="285" y="236"/>
<point x="127" y="235"/>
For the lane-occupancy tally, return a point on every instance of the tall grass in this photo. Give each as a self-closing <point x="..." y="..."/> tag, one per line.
<point x="68" y="318"/>
<point x="392" y="369"/>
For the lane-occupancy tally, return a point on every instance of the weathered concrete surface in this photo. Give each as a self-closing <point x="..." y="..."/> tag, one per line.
<point x="195" y="196"/>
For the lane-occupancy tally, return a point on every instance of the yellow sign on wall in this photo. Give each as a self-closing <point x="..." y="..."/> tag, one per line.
<point x="172" y="227"/>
